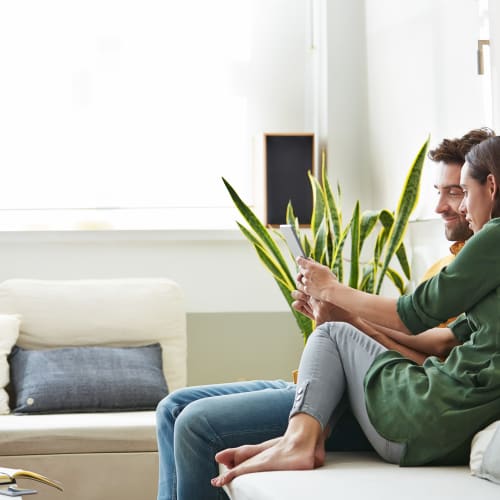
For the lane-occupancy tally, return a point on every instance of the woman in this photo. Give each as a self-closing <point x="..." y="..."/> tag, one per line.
<point x="412" y="414"/>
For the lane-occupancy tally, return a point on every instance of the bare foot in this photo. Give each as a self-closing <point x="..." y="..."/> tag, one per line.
<point x="295" y="451"/>
<point x="231" y="457"/>
<point x="319" y="453"/>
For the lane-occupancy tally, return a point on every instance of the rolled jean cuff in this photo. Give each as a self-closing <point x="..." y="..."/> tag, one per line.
<point x="301" y="404"/>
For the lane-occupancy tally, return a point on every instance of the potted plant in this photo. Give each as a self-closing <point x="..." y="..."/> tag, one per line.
<point x="325" y="240"/>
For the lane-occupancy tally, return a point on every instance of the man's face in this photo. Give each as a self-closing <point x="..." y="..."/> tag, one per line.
<point x="456" y="228"/>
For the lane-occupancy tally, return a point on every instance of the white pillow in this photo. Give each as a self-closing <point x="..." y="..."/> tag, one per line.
<point x="9" y="331"/>
<point x="485" y="453"/>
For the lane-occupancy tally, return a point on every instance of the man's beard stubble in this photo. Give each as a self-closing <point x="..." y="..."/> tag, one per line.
<point x="460" y="232"/>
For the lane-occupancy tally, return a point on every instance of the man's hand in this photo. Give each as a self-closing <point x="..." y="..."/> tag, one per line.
<point x="302" y="305"/>
<point x="319" y="311"/>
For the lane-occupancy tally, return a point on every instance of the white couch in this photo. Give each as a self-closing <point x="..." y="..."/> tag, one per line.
<point x="364" y="476"/>
<point x="97" y="456"/>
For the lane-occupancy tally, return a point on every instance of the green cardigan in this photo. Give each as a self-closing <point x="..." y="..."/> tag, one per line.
<point x="437" y="408"/>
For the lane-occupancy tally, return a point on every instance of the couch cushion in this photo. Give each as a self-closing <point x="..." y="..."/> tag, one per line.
<point x="85" y="379"/>
<point x="363" y="476"/>
<point x="9" y="330"/>
<point x="77" y="433"/>
<point x="113" y="312"/>
<point x="485" y="453"/>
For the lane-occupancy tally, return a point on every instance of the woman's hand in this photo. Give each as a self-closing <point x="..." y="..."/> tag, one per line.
<point x="314" y="279"/>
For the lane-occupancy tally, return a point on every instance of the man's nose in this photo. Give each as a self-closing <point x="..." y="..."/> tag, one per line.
<point x="442" y="205"/>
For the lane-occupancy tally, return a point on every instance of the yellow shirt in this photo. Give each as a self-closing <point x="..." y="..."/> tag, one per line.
<point x="437" y="266"/>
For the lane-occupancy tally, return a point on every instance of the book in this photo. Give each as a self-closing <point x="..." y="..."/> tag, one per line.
<point x="11" y="475"/>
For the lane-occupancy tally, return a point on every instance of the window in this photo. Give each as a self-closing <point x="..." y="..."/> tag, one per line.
<point x="145" y="104"/>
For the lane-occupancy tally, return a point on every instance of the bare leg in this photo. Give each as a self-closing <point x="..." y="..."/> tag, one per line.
<point x="295" y="451"/>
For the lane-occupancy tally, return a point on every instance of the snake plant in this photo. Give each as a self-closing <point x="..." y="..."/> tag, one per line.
<point x="324" y="241"/>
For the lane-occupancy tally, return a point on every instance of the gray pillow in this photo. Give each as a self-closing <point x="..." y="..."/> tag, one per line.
<point x="86" y="379"/>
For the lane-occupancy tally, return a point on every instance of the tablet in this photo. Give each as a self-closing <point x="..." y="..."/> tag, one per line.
<point x="292" y="240"/>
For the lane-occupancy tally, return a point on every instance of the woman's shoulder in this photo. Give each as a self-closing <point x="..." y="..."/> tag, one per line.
<point x="481" y="249"/>
<point x="493" y="223"/>
<point x="490" y="231"/>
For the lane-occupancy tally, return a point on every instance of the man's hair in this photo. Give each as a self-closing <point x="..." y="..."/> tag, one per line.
<point x="454" y="150"/>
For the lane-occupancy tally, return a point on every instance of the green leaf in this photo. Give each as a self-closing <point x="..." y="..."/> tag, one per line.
<point x="320" y="244"/>
<point x="386" y="218"/>
<point x="332" y="208"/>
<point x="368" y="279"/>
<point x="355" y="246"/>
<point x="306" y="325"/>
<point x="318" y="212"/>
<point x="337" y="259"/>
<point x="290" y="215"/>
<point x="403" y="260"/>
<point x="369" y="220"/>
<point x="306" y="244"/>
<point x="406" y="205"/>
<point x="260" y="234"/>
<point x="278" y="272"/>
<point x="396" y="278"/>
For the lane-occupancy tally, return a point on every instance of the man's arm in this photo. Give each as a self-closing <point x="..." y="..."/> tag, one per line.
<point x="372" y="331"/>
<point x="433" y="342"/>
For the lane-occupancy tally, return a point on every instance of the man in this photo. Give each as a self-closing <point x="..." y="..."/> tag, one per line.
<point x="450" y="156"/>
<point x="195" y="423"/>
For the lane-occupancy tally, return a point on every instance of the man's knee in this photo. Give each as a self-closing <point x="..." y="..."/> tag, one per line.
<point x="193" y="423"/>
<point x="171" y="406"/>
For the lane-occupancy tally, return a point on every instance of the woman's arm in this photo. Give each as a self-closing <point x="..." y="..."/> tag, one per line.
<point x="319" y="282"/>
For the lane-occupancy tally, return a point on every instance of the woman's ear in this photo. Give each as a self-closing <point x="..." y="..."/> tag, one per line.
<point x="492" y="186"/>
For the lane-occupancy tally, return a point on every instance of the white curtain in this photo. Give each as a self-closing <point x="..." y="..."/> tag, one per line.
<point x="145" y="103"/>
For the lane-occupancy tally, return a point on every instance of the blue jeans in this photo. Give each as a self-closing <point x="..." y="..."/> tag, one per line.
<point x="194" y="423"/>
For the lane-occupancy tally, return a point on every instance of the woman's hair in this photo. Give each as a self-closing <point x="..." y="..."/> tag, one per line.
<point x="483" y="160"/>
<point x="454" y="150"/>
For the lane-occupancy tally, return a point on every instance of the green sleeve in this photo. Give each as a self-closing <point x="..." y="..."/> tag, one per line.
<point x="459" y="286"/>
<point x="461" y="328"/>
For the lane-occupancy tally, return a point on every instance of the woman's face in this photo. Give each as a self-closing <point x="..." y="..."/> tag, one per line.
<point x="477" y="203"/>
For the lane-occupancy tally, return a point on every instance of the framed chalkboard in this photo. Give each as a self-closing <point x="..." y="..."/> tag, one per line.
<point x="288" y="158"/>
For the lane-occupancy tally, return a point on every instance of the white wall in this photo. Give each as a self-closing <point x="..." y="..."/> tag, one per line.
<point x="348" y="134"/>
<point x="218" y="271"/>
<point x="422" y="74"/>
<point x="494" y="9"/>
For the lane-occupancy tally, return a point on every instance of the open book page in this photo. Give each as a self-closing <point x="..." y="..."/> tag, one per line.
<point x="11" y="475"/>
